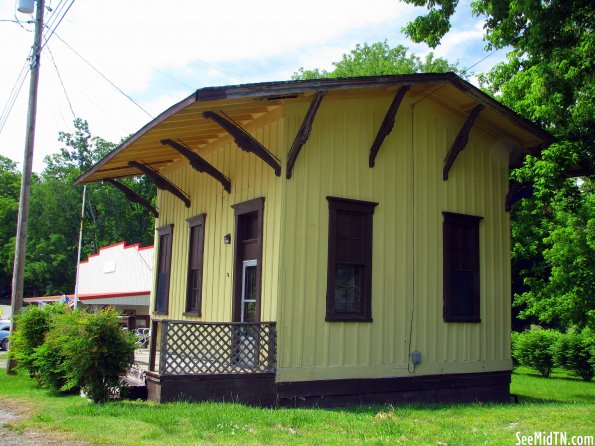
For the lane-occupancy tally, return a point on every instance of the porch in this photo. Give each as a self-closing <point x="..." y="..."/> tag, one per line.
<point x="217" y="361"/>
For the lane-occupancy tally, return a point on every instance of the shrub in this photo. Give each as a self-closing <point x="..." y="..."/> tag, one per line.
<point x="97" y="353"/>
<point x="32" y="324"/>
<point x="576" y="352"/>
<point x="534" y="349"/>
<point x="50" y="358"/>
<point x="67" y="350"/>
<point x="514" y="338"/>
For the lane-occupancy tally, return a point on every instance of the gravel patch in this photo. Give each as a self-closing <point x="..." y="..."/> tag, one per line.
<point x="28" y="437"/>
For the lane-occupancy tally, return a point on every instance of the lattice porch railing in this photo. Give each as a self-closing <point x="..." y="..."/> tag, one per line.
<point x="210" y="348"/>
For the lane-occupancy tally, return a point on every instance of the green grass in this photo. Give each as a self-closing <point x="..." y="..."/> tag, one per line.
<point x="560" y="403"/>
<point x="561" y="386"/>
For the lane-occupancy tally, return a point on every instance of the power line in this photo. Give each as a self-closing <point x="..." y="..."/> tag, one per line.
<point x="61" y="82"/>
<point x="54" y="13"/>
<point x="18" y="22"/>
<point x="54" y="27"/>
<point x="220" y="70"/>
<point x="173" y="79"/>
<point x="14" y="94"/>
<point x="105" y="77"/>
<point x="465" y="70"/>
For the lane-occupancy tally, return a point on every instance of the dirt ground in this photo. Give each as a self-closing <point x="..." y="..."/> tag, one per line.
<point x="10" y="413"/>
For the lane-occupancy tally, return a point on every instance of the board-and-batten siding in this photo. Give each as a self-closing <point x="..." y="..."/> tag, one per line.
<point x="407" y="243"/>
<point x="251" y="178"/>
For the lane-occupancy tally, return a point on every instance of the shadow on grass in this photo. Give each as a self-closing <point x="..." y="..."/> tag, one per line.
<point x="564" y="377"/>
<point x="523" y="399"/>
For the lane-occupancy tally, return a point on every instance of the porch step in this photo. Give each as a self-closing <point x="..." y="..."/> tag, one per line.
<point x="136" y="384"/>
<point x="135" y="390"/>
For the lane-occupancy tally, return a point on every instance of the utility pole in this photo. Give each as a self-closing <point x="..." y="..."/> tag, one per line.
<point x="78" y="255"/>
<point x="20" y="249"/>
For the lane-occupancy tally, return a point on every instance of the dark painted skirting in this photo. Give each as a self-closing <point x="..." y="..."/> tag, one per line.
<point x="451" y="388"/>
<point x="261" y="389"/>
<point x="256" y="389"/>
<point x="134" y="390"/>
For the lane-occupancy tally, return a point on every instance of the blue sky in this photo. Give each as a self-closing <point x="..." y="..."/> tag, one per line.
<point x="159" y="52"/>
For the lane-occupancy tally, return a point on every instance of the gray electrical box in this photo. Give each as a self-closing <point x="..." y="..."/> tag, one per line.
<point x="416" y="357"/>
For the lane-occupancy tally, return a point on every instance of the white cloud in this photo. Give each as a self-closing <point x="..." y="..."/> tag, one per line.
<point x="158" y="52"/>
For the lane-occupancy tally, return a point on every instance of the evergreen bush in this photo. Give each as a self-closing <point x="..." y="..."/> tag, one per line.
<point x="576" y="352"/>
<point x="70" y="350"/>
<point x="97" y="354"/>
<point x="514" y="338"/>
<point x="32" y="325"/>
<point x="535" y="349"/>
<point x="50" y="358"/>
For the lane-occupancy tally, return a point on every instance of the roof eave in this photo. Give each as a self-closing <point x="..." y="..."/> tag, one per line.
<point x="267" y="90"/>
<point x="156" y="121"/>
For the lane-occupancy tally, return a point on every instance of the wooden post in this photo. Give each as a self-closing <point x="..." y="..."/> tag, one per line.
<point x="18" y="272"/>
<point x="153" y="345"/>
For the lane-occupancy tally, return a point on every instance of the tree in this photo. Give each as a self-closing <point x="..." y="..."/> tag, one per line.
<point x="55" y="208"/>
<point x="110" y="217"/>
<point x="548" y="78"/>
<point x="10" y="180"/>
<point x="561" y="287"/>
<point x="378" y="59"/>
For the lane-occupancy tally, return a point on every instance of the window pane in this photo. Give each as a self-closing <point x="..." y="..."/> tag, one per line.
<point x="251" y="226"/>
<point x="195" y="254"/>
<point x="250" y="285"/>
<point x="163" y="253"/>
<point x="349" y="284"/>
<point x="194" y="292"/>
<point x="461" y="268"/>
<point x="195" y="259"/>
<point x="348" y="288"/>
<point x="462" y="289"/>
<point x="249" y="311"/>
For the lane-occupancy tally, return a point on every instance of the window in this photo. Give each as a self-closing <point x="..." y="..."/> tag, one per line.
<point x="195" y="257"/>
<point x="165" y="234"/>
<point x="461" y="267"/>
<point x="349" y="286"/>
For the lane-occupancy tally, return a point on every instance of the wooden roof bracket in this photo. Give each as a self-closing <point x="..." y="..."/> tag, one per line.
<point x="303" y="133"/>
<point x="245" y="141"/>
<point x="387" y="124"/>
<point x="516" y="192"/>
<point x="460" y="141"/>
<point x="198" y="163"/>
<point x="132" y="196"/>
<point x="161" y="182"/>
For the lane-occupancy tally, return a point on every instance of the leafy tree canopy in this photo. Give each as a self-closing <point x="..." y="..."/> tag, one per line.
<point x="549" y="74"/>
<point x="378" y="59"/>
<point x="54" y="211"/>
<point x="10" y="181"/>
<point x="549" y="78"/>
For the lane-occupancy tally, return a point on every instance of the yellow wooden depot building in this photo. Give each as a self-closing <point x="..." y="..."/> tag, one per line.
<point x="328" y="242"/>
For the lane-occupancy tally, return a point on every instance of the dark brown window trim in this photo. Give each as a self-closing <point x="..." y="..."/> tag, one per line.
<point x="197" y="220"/>
<point x="472" y="224"/>
<point x="161" y="231"/>
<point x="357" y="207"/>
<point x="247" y="207"/>
<point x="192" y="313"/>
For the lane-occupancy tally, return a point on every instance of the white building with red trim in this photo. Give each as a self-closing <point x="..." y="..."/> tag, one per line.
<point x="119" y="275"/>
